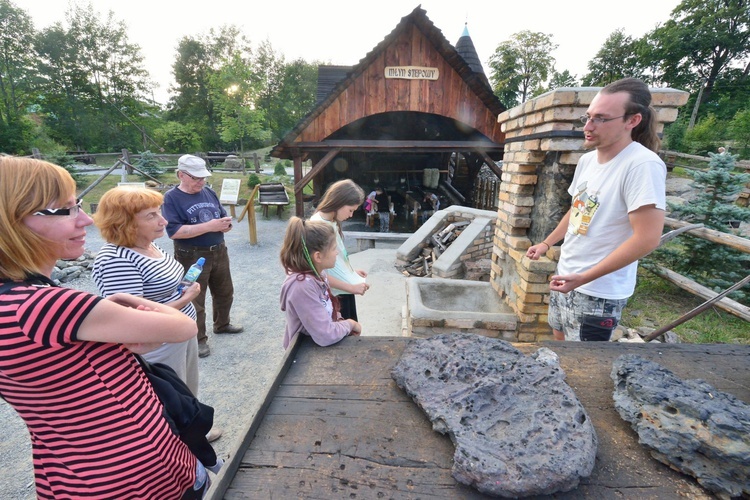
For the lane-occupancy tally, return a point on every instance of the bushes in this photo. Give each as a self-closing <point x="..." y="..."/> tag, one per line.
<point x="148" y="163"/>
<point x="253" y="180"/>
<point x="280" y="168"/>
<point x="714" y="266"/>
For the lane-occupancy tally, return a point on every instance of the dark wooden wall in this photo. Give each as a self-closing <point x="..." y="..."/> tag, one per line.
<point x="371" y="93"/>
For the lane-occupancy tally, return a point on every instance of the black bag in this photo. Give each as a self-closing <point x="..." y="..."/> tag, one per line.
<point x="187" y="417"/>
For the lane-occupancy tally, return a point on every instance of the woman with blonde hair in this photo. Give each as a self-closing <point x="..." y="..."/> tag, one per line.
<point x="339" y="202"/>
<point x="130" y="219"/>
<point x="97" y="428"/>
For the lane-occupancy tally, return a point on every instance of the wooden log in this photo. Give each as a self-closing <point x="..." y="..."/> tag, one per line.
<point x="437" y="242"/>
<point x="728" y="239"/>
<point x="448" y="229"/>
<point x="725" y="304"/>
<point x="676" y="232"/>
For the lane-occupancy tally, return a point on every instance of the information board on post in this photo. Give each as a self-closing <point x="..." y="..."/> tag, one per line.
<point x="230" y="193"/>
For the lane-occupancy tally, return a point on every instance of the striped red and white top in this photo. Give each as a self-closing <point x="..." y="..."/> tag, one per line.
<point x="96" y="426"/>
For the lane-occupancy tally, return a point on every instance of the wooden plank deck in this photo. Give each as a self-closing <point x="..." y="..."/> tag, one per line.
<point x="335" y="425"/>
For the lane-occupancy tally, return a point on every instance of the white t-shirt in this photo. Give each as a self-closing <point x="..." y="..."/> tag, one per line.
<point x="343" y="269"/>
<point x="603" y="196"/>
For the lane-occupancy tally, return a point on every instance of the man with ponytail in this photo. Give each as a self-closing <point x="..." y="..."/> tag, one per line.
<point x="616" y="215"/>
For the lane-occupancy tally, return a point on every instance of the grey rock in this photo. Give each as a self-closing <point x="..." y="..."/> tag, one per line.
<point x="56" y="275"/>
<point x="680" y="186"/>
<point x="686" y="424"/>
<point x="518" y="428"/>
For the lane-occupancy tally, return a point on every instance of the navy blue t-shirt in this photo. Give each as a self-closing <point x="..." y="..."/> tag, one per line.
<point x="181" y="208"/>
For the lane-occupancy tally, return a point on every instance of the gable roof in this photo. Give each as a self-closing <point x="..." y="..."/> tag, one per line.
<point x="476" y="82"/>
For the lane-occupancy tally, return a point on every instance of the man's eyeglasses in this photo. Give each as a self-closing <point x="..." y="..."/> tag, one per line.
<point x="193" y="177"/>
<point x="598" y="120"/>
<point x="71" y="212"/>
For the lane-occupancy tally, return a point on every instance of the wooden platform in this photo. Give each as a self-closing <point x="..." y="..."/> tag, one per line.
<point x="335" y="425"/>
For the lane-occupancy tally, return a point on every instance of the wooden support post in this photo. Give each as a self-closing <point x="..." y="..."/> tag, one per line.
<point x="128" y="165"/>
<point x="250" y="211"/>
<point x="231" y="211"/>
<point x="100" y="179"/>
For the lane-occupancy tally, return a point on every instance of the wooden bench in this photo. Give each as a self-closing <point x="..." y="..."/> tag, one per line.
<point x="272" y="193"/>
<point x="366" y="239"/>
<point x="82" y="156"/>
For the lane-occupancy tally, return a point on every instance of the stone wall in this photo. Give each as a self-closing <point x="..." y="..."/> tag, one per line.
<point x="543" y="142"/>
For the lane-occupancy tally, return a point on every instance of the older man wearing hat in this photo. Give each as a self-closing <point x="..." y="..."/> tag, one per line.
<point x="196" y="223"/>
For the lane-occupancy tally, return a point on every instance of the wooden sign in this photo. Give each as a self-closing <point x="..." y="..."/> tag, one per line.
<point x="230" y="191"/>
<point x="411" y="73"/>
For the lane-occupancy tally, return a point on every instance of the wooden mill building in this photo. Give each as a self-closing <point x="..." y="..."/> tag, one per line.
<point x="416" y="113"/>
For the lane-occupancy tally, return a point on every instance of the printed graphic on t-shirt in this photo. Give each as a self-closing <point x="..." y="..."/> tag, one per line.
<point x="583" y="209"/>
<point x="203" y="212"/>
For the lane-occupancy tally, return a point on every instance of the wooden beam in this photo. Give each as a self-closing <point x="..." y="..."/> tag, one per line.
<point x="726" y="304"/>
<point x="397" y="146"/>
<point x="100" y="179"/>
<point x="728" y="239"/>
<point x="696" y="311"/>
<point x="299" y="185"/>
<point x="491" y="163"/>
<point x="299" y="203"/>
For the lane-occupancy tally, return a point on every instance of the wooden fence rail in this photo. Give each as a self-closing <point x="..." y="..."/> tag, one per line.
<point x="727" y="239"/>
<point x="672" y="157"/>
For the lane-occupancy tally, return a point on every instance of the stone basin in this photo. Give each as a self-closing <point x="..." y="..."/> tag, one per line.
<point x="437" y="305"/>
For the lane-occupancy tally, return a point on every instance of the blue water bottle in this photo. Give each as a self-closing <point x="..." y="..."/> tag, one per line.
<point x="191" y="276"/>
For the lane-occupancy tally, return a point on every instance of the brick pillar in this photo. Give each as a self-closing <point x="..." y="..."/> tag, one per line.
<point x="543" y="142"/>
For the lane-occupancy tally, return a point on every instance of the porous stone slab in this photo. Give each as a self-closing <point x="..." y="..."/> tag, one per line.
<point x="687" y="424"/>
<point x="518" y="428"/>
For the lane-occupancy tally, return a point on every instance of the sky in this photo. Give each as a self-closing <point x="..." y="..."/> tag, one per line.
<point x="342" y="32"/>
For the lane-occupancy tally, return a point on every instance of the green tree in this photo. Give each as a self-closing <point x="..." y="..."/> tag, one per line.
<point x="674" y="135"/>
<point x="17" y="75"/>
<point x="715" y="266"/>
<point x="269" y="69"/>
<point x="616" y="59"/>
<point x="295" y="97"/>
<point x="520" y="66"/>
<point x="149" y="164"/>
<point x="702" y="39"/>
<point x="234" y="92"/>
<point x="198" y="59"/>
<point x="177" y="138"/>
<point x="705" y="136"/>
<point x="739" y="132"/>
<point x="564" y="79"/>
<point x="92" y="82"/>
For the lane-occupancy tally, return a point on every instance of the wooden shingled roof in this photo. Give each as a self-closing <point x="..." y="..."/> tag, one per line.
<point x="475" y="86"/>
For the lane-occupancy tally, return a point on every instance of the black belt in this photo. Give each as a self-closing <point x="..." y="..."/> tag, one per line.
<point x="212" y="248"/>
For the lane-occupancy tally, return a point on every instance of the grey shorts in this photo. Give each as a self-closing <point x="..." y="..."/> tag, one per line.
<point x="583" y="317"/>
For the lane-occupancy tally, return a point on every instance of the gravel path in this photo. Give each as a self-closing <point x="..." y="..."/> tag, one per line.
<point x="234" y="377"/>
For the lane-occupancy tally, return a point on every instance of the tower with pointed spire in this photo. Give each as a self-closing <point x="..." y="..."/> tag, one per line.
<point x="465" y="48"/>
